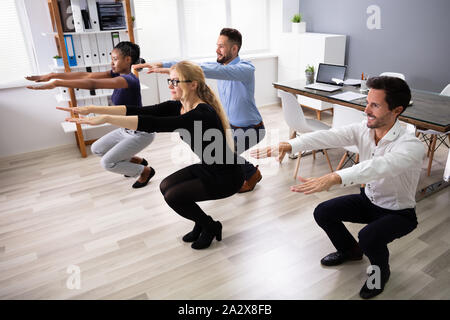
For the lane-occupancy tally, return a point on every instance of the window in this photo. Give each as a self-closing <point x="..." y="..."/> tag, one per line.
<point x="203" y="20"/>
<point x="159" y="37"/>
<point x="16" y="59"/>
<point x="170" y="29"/>
<point x="251" y="18"/>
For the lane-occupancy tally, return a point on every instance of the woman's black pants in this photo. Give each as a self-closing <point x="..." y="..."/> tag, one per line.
<point x="183" y="189"/>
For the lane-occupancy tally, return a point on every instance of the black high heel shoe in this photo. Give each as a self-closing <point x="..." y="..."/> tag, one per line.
<point x="138" y="184"/>
<point x="143" y="162"/>
<point x="214" y="230"/>
<point x="194" y="234"/>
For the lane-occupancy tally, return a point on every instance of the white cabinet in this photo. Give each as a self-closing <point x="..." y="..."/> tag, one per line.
<point x="296" y="51"/>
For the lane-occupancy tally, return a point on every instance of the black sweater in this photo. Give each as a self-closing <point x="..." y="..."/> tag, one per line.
<point x="216" y="158"/>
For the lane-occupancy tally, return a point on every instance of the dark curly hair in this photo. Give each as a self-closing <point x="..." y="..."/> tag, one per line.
<point x="234" y="36"/>
<point x="129" y="49"/>
<point x="397" y="90"/>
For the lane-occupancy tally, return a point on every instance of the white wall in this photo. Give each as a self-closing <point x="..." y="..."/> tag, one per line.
<point x="28" y="119"/>
<point x="289" y="8"/>
<point x="29" y="122"/>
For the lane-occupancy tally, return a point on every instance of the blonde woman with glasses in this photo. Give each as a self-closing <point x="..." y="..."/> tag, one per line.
<point x="197" y="113"/>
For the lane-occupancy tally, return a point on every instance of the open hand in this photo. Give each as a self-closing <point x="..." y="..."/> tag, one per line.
<point x="47" y="86"/>
<point x="312" y="185"/>
<point x="94" y="121"/>
<point x="159" y="70"/>
<point x="272" y="151"/>
<point x="152" y="67"/>
<point x="138" y="66"/>
<point x="78" y="110"/>
<point x="43" y="78"/>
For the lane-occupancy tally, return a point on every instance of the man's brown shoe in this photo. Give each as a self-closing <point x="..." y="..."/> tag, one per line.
<point x="250" y="184"/>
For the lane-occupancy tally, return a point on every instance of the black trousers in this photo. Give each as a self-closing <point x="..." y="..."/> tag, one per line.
<point x="244" y="139"/>
<point x="383" y="225"/>
<point x="182" y="189"/>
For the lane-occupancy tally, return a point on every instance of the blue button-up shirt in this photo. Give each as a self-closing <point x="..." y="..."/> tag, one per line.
<point x="236" y="86"/>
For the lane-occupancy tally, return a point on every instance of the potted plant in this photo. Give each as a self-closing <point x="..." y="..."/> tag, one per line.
<point x="58" y="61"/>
<point x="298" y="26"/>
<point x="309" y="73"/>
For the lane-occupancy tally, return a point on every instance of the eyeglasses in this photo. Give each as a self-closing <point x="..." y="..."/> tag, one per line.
<point x="175" y="82"/>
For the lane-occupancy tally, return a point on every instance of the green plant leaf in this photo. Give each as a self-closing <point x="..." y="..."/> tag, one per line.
<point x="297" y="18"/>
<point x="309" y="68"/>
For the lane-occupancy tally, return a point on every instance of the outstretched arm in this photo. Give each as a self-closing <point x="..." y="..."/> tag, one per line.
<point x="278" y="151"/>
<point x="309" y="185"/>
<point x="243" y="71"/>
<point x="110" y="110"/>
<point x="89" y="84"/>
<point x="129" y="122"/>
<point x="69" y="76"/>
<point x="313" y="185"/>
<point x="156" y="67"/>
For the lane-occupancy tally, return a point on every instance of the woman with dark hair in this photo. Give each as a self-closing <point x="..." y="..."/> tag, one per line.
<point x="197" y="112"/>
<point x="119" y="147"/>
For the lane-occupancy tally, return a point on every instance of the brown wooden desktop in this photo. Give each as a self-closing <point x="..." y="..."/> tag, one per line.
<point x="429" y="110"/>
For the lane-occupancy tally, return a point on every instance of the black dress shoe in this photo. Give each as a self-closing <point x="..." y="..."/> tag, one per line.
<point x="367" y="293"/>
<point x="214" y="230"/>
<point x="339" y="257"/>
<point x="138" y="184"/>
<point x="143" y="162"/>
<point x="194" y="234"/>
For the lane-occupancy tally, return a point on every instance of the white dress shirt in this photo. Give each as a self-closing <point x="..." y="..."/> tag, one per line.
<point x="390" y="170"/>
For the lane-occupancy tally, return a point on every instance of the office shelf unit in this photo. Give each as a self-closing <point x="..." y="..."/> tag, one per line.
<point x="297" y="50"/>
<point x="61" y="47"/>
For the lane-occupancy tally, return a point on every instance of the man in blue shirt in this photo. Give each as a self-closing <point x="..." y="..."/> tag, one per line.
<point x="236" y="86"/>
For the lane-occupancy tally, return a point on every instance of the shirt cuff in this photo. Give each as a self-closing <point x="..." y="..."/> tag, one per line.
<point x="167" y="64"/>
<point x="132" y="110"/>
<point x="348" y="177"/>
<point x="141" y="125"/>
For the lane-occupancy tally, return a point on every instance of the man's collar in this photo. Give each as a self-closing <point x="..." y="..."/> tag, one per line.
<point x="392" y="134"/>
<point x="235" y="60"/>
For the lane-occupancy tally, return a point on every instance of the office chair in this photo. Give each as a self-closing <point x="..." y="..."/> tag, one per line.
<point x="433" y="137"/>
<point x="393" y="74"/>
<point x="295" y="119"/>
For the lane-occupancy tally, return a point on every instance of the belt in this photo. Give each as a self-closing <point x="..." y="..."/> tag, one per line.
<point x="255" y="126"/>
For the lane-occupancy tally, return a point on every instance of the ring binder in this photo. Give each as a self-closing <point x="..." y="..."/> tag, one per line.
<point x="68" y="40"/>
<point x="92" y="6"/>
<point x="78" y="50"/>
<point x="76" y="14"/>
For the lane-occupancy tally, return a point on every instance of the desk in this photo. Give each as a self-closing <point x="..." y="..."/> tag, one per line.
<point x="429" y="110"/>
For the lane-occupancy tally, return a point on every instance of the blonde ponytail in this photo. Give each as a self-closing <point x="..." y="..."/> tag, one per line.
<point x="206" y="94"/>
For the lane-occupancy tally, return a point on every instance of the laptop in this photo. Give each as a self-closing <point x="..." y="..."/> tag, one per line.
<point x="330" y="77"/>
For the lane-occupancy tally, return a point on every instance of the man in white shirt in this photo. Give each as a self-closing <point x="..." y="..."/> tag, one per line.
<point x="390" y="165"/>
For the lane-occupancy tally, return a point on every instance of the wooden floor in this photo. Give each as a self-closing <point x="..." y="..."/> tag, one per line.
<point x="58" y="210"/>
